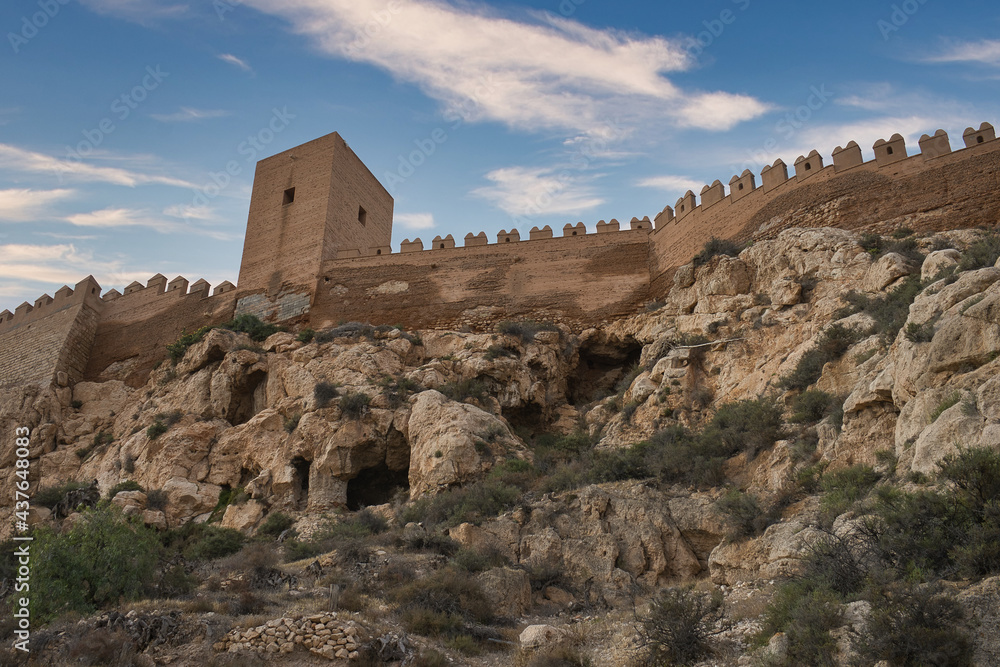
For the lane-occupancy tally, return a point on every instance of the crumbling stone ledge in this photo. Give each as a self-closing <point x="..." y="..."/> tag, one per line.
<point x="321" y="634"/>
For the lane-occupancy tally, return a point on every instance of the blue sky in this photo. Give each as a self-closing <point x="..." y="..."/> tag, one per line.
<point x="118" y="117"/>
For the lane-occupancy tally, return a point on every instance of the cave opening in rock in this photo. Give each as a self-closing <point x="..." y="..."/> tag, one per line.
<point x="375" y="486"/>
<point x="251" y="398"/>
<point x="600" y="368"/>
<point x="301" y="479"/>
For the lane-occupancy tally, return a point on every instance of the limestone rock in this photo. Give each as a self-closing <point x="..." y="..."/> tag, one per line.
<point x="509" y="590"/>
<point x="443" y="437"/>
<point x="537" y="636"/>
<point x="886" y="270"/>
<point x="938" y="261"/>
<point x="188" y="499"/>
<point x="243" y="516"/>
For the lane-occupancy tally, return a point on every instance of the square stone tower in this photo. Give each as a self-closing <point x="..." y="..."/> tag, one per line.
<point x="307" y="203"/>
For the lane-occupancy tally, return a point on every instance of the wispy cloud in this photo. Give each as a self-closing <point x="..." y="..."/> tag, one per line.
<point x="140" y="11"/>
<point x="19" y="160"/>
<point x="54" y="264"/>
<point x="189" y="114"/>
<point x="191" y="212"/>
<point x="414" y="220"/>
<point x="233" y="60"/>
<point x="543" y="74"/>
<point x="116" y="217"/>
<point x="23" y="205"/>
<point x="527" y="191"/>
<point x="670" y="183"/>
<point x="986" y="52"/>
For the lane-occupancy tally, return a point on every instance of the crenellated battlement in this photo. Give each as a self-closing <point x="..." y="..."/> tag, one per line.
<point x="503" y="238"/>
<point x="46" y="305"/>
<point x="889" y="153"/>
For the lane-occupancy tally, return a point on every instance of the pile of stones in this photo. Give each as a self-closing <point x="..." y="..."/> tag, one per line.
<point x="321" y="634"/>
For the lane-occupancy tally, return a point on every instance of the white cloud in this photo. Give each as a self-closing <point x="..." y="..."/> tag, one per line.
<point x="526" y="191"/>
<point x="19" y="160"/>
<point x="22" y="205"/>
<point x="541" y="75"/>
<point x="140" y="11"/>
<point x="415" y="220"/>
<point x="53" y="264"/>
<point x="189" y="211"/>
<point x="671" y="183"/>
<point x="986" y="51"/>
<point x="233" y="60"/>
<point x="115" y="217"/>
<point x="188" y="114"/>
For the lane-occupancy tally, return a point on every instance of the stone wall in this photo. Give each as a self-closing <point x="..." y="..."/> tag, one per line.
<point x="55" y="335"/>
<point x="579" y="280"/>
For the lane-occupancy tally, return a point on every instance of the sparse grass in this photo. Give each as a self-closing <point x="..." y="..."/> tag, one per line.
<point x="948" y="401"/>
<point x="525" y="329"/>
<point x="919" y="333"/>
<point x="981" y="254"/>
<point x="128" y="485"/>
<point x="354" y="404"/>
<point x="889" y="310"/>
<point x="275" y="524"/>
<point x="324" y="392"/>
<point x="830" y="346"/>
<point x="714" y="247"/>
<point x="464" y="390"/>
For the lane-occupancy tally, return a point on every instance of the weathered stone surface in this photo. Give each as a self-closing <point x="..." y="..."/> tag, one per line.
<point x="509" y="590"/>
<point x="537" y="636"/>
<point x="938" y="261"/>
<point x="886" y="270"/>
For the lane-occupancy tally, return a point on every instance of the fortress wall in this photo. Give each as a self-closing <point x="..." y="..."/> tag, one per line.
<point x="578" y="280"/>
<point x="924" y="192"/>
<point x="136" y="328"/>
<point x="37" y="344"/>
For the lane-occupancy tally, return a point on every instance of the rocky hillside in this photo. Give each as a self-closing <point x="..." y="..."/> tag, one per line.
<point x="791" y="459"/>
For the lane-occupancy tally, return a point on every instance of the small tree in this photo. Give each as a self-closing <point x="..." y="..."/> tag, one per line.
<point x="676" y="629"/>
<point x="103" y="557"/>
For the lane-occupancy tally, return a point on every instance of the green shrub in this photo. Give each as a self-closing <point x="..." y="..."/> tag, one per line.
<point x="156" y="429"/>
<point x="346" y="330"/>
<point x="358" y="524"/>
<point x="211" y="542"/>
<point x="843" y="488"/>
<point x="397" y="390"/>
<point x="628" y="411"/>
<point x="354" y="404"/>
<point x="497" y="351"/>
<point x="813" y="405"/>
<point x="156" y="499"/>
<point x="464" y="390"/>
<point x="100" y="559"/>
<point x="948" y="401"/>
<point x="449" y="591"/>
<point x="127" y="485"/>
<point x="292" y="422"/>
<point x="275" y="524"/>
<point x="306" y="336"/>
<point x="914" y="625"/>
<point x="251" y="326"/>
<point x="744" y="514"/>
<point x="872" y="243"/>
<point x="51" y="495"/>
<point x="830" y="346"/>
<point x="300" y="549"/>
<point x="525" y="330"/>
<point x="981" y="254"/>
<point x="676" y="628"/>
<point x="469" y="504"/>
<point x="715" y="246"/>
<point x="919" y="333"/>
<point x="324" y="392"/>
<point x="889" y="311"/>
<point x="178" y="348"/>
<point x="749" y="426"/>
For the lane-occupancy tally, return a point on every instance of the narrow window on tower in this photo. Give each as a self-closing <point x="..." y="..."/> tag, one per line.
<point x="289" y="196"/>
<point x="362" y="215"/>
